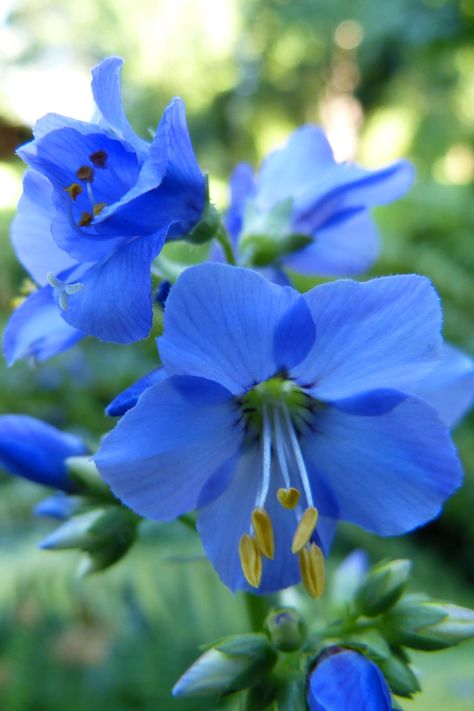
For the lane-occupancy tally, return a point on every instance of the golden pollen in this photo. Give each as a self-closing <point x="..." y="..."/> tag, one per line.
<point x="74" y="190"/>
<point x="263" y="528"/>
<point x="288" y="498"/>
<point x="98" y="207"/>
<point x="98" y="158"/>
<point x="86" y="219"/>
<point x="250" y="560"/>
<point x="305" y="529"/>
<point x="85" y="173"/>
<point x="311" y="562"/>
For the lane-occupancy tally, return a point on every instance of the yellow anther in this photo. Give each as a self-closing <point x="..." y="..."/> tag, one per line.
<point x="74" y="190"/>
<point x="262" y="526"/>
<point x="305" y="529"/>
<point x="250" y="560"/>
<point x="98" y="207"/>
<point x="86" y="219"/>
<point x="85" y="173"/>
<point x="288" y="498"/>
<point x="98" y="158"/>
<point x="311" y="561"/>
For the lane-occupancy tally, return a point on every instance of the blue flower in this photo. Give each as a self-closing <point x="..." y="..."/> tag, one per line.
<point x="343" y="680"/>
<point x="283" y="413"/>
<point x="34" y="450"/>
<point x="97" y="206"/>
<point x="300" y="190"/>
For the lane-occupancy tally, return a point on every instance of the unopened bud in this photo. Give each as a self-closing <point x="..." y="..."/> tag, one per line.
<point x="104" y="534"/>
<point x="425" y="624"/>
<point x="286" y="629"/>
<point x="382" y="587"/>
<point x="233" y="664"/>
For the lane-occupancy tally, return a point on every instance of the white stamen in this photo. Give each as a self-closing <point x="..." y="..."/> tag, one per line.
<point x="298" y="458"/>
<point x="266" y="460"/>
<point x="73" y="288"/>
<point x="53" y="281"/>
<point x="280" y="448"/>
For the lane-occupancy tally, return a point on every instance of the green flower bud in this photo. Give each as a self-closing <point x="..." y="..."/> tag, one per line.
<point x="399" y="676"/>
<point x="260" y="250"/>
<point x="209" y="224"/>
<point x="422" y="623"/>
<point x="76" y="532"/>
<point x="104" y="534"/>
<point x="233" y="664"/>
<point x="382" y="587"/>
<point x="286" y="629"/>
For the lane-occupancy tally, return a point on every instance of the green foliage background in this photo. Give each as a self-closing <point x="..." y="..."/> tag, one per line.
<point x="401" y="76"/>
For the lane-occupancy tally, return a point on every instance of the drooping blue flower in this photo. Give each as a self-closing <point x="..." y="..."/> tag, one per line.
<point x="97" y="206"/>
<point x="344" y="679"/>
<point x="301" y="190"/>
<point x="283" y="413"/>
<point x="34" y="450"/>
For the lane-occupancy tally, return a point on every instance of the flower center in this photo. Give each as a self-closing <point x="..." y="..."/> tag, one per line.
<point x="277" y="412"/>
<point x="85" y="174"/>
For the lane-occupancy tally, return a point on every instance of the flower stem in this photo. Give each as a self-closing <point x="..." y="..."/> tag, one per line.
<point x="222" y="237"/>
<point x="257" y="607"/>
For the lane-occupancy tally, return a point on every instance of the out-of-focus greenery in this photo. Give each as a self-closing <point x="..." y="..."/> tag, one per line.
<point x="385" y="79"/>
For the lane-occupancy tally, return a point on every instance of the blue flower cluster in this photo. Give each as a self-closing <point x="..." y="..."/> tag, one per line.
<point x="274" y="414"/>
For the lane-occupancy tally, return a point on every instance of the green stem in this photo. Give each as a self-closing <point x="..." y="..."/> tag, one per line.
<point x="222" y="237"/>
<point x="257" y="607"/>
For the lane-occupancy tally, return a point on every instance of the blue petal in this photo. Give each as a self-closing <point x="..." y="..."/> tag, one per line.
<point x="170" y="188"/>
<point x="58" y="505"/>
<point x="129" y="397"/>
<point x="384" y="333"/>
<point x="294" y="335"/>
<point x="36" y="329"/>
<point x="31" y="230"/>
<point x="242" y="187"/>
<point x="306" y="171"/>
<point x="301" y="165"/>
<point x="162" y="452"/>
<point x="108" y="98"/>
<point x="59" y="154"/>
<point x="344" y="246"/>
<point x="34" y="450"/>
<point x="225" y="519"/>
<point x="449" y="388"/>
<point x="220" y="323"/>
<point x="114" y="303"/>
<point x="347" y="680"/>
<point x="349" y="187"/>
<point x="388" y="473"/>
<point x="53" y="122"/>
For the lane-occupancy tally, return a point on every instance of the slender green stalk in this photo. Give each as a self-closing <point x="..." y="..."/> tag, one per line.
<point x="258" y="607"/>
<point x="222" y="237"/>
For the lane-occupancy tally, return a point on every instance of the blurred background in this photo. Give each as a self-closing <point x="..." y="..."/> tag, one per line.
<point x="385" y="80"/>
